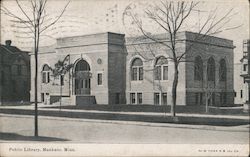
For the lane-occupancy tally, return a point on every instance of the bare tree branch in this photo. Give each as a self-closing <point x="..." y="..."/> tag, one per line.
<point x="49" y="25"/>
<point x="24" y="13"/>
<point x="171" y="16"/>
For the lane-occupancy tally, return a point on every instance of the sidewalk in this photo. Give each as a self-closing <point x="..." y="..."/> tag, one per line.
<point x="42" y="107"/>
<point x="185" y="120"/>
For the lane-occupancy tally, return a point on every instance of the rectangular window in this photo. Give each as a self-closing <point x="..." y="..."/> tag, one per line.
<point x="81" y="84"/>
<point x="48" y="77"/>
<point x="139" y="98"/>
<point x="241" y="93"/>
<point x="99" y="78"/>
<point x="62" y="80"/>
<point x="140" y="73"/>
<point x="156" y="98"/>
<point x="87" y="83"/>
<point x="164" y="99"/>
<point x="245" y="67"/>
<point x="165" y="73"/>
<point x="44" y="77"/>
<point x="157" y="73"/>
<point x="132" y="98"/>
<point x="134" y="73"/>
<point x="42" y="97"/>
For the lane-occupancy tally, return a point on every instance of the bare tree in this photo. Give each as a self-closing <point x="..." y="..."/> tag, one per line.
<point x="61" y="68"/>
<point x="206" y="75"/>
<point x="171" y="17"/>
<point x="35" y="18"/>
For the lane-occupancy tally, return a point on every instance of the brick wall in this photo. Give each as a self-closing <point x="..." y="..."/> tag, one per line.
<point x="209" y="47"/>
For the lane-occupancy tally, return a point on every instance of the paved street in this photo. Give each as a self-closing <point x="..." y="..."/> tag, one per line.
<point x="97" y="131"/>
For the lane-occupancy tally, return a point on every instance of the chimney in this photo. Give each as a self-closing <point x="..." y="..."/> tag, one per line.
<point x="8" y="42"/>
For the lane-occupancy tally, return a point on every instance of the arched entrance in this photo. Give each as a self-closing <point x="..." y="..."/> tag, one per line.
<point x="82" y="78"/>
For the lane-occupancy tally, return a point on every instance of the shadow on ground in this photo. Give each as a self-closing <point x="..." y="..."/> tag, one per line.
<point x="194" y="120"/>
<point x="17" y="137"/>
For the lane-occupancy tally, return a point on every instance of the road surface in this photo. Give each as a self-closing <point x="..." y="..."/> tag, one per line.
<point x="87" y="131"/>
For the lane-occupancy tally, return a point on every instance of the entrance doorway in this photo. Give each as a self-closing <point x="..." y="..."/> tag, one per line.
<point x="82" y="78"/>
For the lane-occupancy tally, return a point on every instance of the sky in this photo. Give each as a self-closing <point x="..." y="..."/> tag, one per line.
<point x="94" y="16"/>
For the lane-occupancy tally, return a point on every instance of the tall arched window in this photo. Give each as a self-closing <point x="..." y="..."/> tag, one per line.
<point x="198" y="69"/>
<point x="161" y="69"/>
<point x="137" y="69"/>
<point x="223" y="70"/>
<point x="46" y="74"/>
<point x="211" y="69"/>
<point x="82" y="65"/>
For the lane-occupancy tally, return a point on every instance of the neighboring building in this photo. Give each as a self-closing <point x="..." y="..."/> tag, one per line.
<point x="238" y="84"/>
<point x="109" y="69"/>
<point x="245" y="73"/>
<point x="15" y="74"/>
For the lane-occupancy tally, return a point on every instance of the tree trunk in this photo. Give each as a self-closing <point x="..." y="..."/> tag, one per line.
<point x="36" y="42"/>
<point x="206" y="102"/>
<point x="60" y="93"/>
<point x="174" y="88"/>
<point x="36" y="109"/>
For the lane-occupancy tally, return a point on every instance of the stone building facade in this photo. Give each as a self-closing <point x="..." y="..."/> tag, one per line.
<point x="111" y="69"/>
<point x="14" y="74"/>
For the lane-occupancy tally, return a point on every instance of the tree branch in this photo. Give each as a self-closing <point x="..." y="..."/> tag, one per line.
<point x="49" y="25"/>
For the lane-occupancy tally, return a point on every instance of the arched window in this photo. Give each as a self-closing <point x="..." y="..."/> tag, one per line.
<point x="82" y="78"/>
<point x="198" y="69"/>
<point x="223" y="70"/>
<point x="46" y="74"/>
<point x="211" y="69"/>
<point x="137" y="69"/>
<point x="82" y="65"/>
<point x="161" y="69"/>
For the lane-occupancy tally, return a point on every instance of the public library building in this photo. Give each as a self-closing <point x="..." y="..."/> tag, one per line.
<point x="108" y="68"/>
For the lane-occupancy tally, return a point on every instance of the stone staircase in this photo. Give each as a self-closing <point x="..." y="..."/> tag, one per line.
<point x="78" y="100"/>
<point x="85" y="100"/>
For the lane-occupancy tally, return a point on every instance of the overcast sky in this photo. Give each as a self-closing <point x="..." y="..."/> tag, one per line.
<point x="94" y="16"/>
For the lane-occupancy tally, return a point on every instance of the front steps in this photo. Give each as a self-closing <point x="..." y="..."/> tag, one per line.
<point x="78" y="100"/>
<point x="85" y="100"/>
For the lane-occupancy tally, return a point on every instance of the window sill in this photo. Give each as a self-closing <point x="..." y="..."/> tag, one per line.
<point x="161" y="80"/>
<point x="137" y="81"/>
